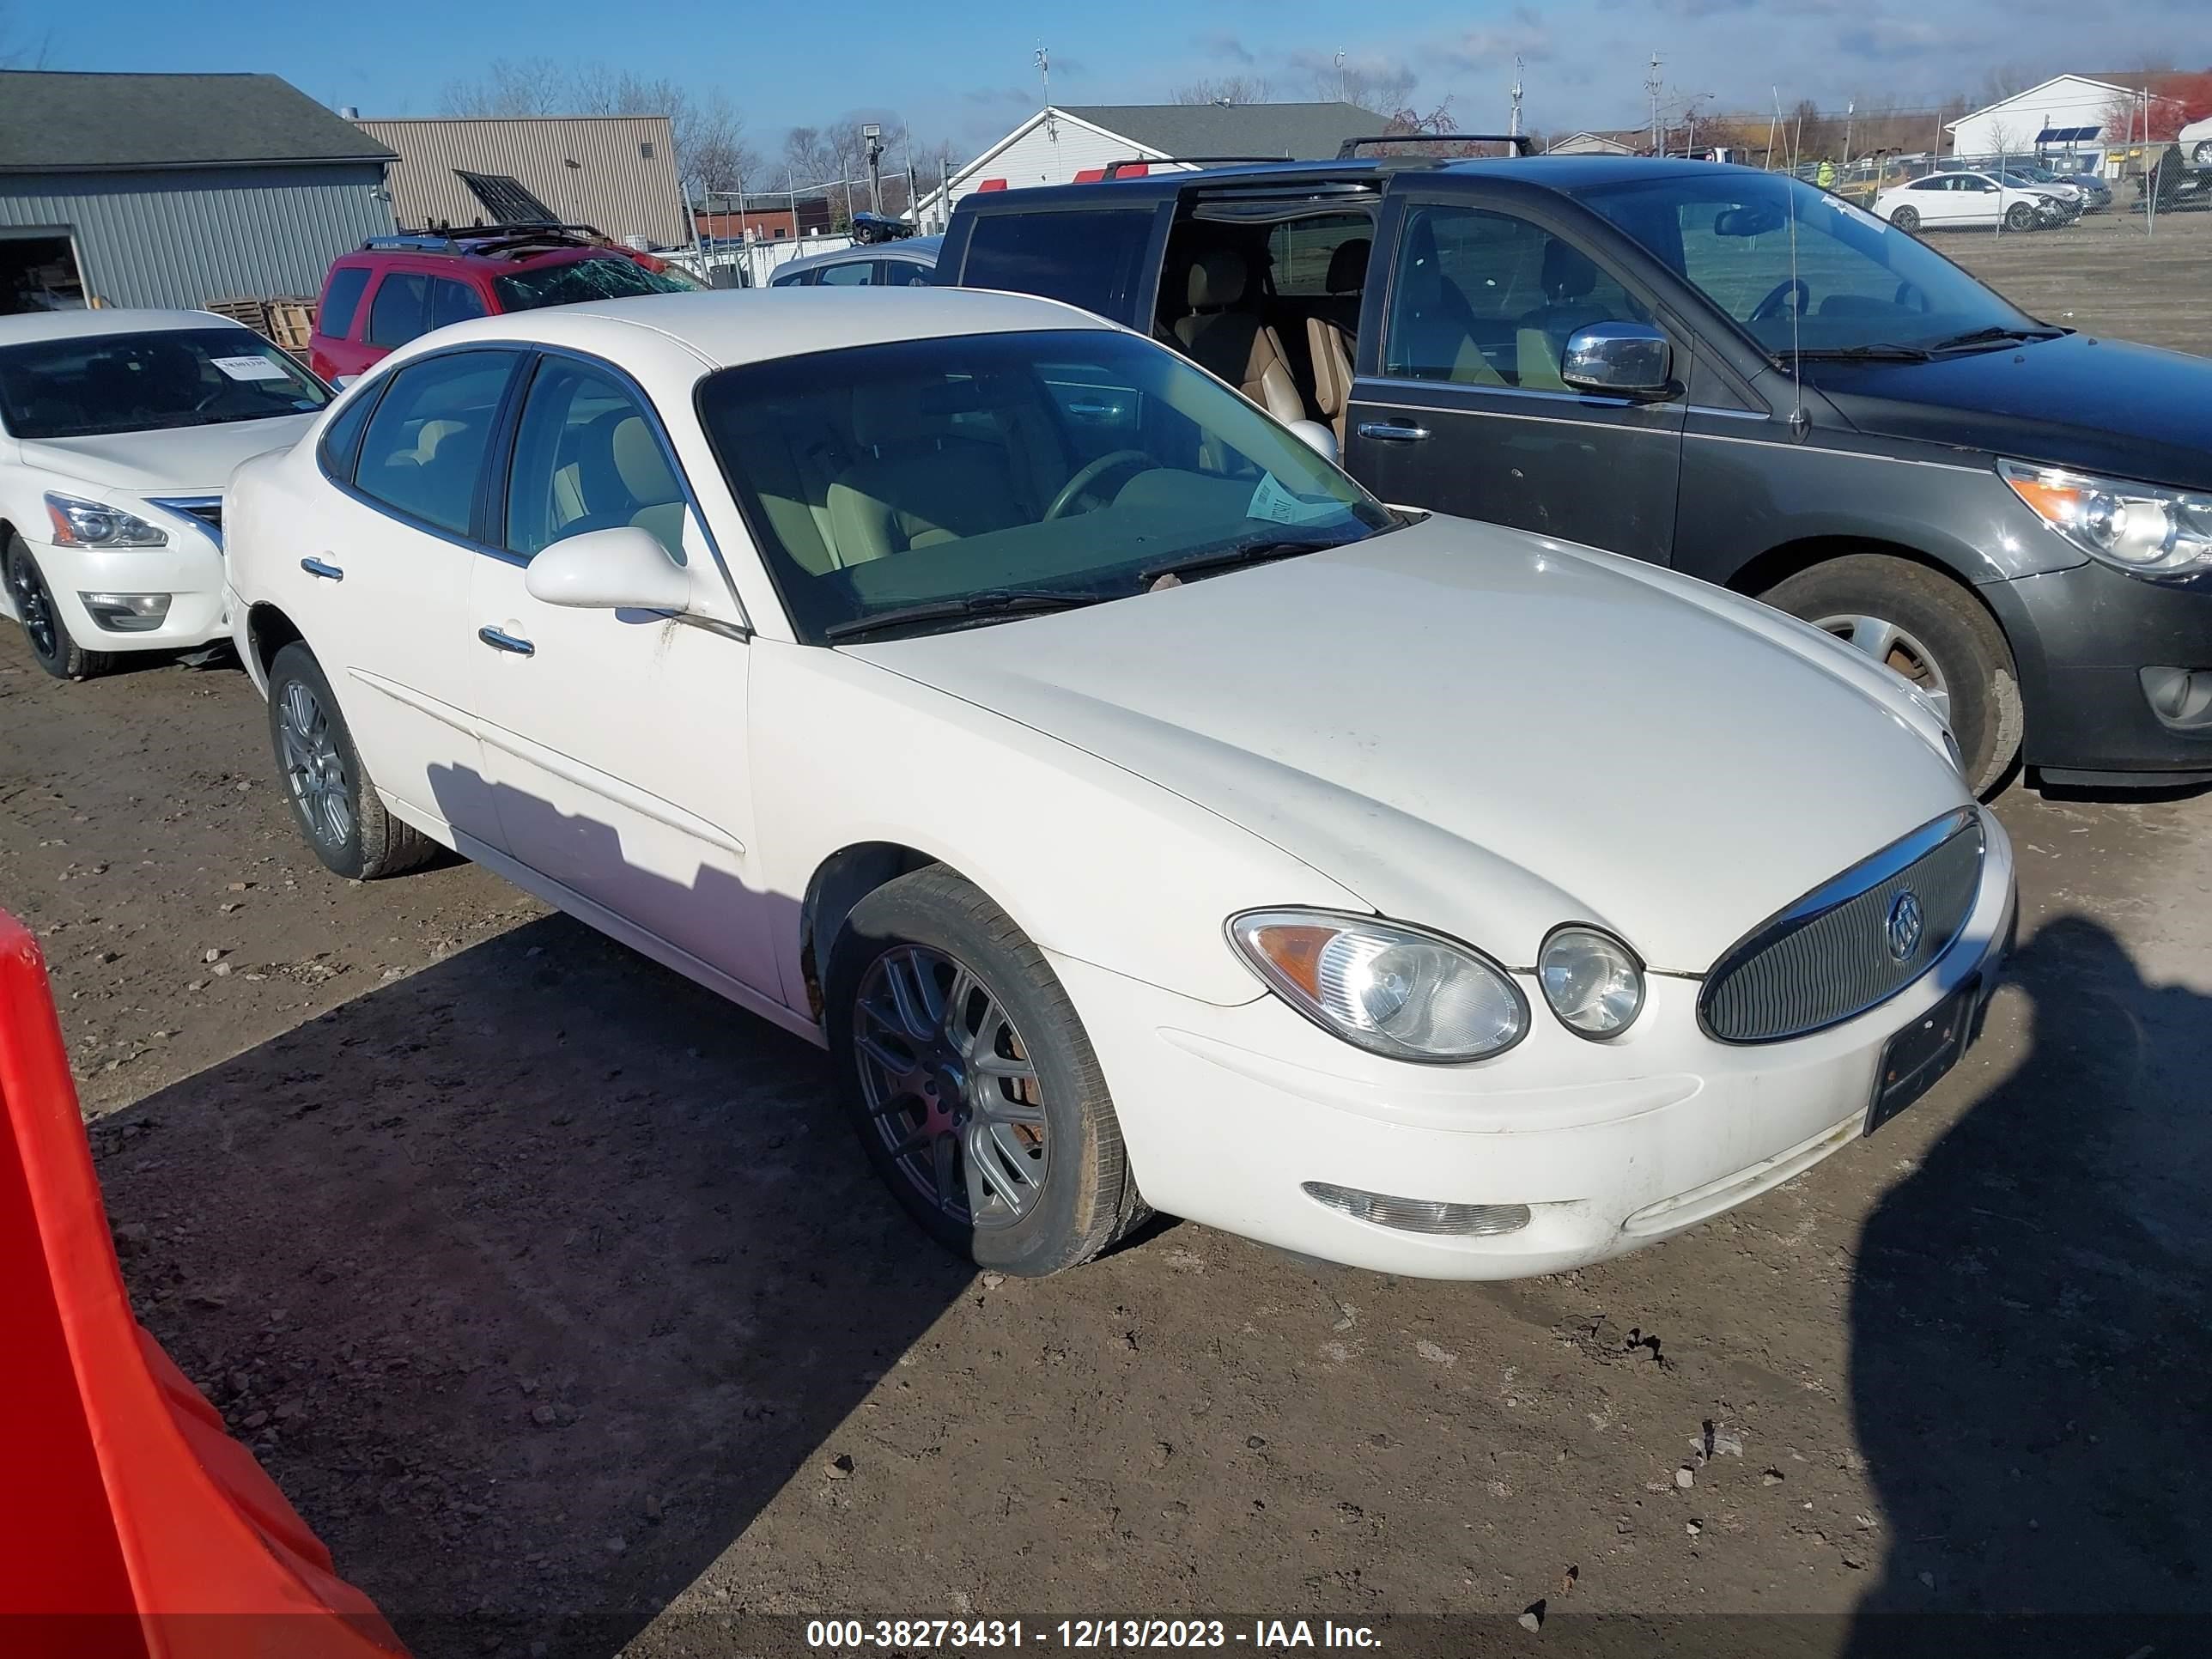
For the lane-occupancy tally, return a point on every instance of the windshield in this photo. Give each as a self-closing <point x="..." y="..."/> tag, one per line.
<point x="1852" y="280"/>
<point x="96" y="384"/>
<point x="1068" y="464"/>
<point x="599" y="276"/>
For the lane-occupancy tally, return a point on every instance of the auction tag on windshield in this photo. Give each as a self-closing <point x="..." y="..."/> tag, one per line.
<point x="1277" y="504"/>
<point x="249" y="368"/>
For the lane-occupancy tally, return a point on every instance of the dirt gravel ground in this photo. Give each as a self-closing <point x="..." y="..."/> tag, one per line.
<point x="555" y="1295"/>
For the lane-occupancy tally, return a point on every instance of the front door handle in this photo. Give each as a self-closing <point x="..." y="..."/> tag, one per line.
<point x="1393" y="432"/>
<point x="499" y="640"/>
<point x="317" y="567"/>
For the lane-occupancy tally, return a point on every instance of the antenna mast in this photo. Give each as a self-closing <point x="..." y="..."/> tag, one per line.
<point x="1044" y="76"/>
<point x="1651" y="85"/>
<point x="1513" y="121"/>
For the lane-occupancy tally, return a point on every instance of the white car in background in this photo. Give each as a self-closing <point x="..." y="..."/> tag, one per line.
<point x="118" y="430"/>
<point x="1143" y="814"/>
<point x="1960" y="200"/>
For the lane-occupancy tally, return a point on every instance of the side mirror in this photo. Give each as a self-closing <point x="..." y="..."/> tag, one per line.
<point x="1620" y="359"/>
<point x="624" y="568"/>
<point x="1317" y="438"/>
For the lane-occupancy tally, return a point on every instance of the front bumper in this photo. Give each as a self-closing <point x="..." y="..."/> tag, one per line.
<point x="190" y="569"/>
<point x="1227" y="1112"/>
<point x="2082" y="638"/>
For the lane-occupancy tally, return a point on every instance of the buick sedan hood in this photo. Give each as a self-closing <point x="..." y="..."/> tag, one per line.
<point x="1481" y="731"/>
<point x="189" y="460"/>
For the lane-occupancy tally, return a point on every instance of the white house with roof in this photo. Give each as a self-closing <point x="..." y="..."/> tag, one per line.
<point x="1069" y="144"/>
<point x="2068" y="111"/>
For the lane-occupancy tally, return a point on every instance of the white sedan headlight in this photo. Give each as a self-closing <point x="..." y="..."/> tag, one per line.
<point x="1593" y="981"/>
<point x="2141" y="529"/>
<point x="94" y="523"/>
<point x="1391" y="989"/>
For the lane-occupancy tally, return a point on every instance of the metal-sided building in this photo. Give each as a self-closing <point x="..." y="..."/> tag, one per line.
<point x="615" y="172"/>
<point x="175" y="190"/>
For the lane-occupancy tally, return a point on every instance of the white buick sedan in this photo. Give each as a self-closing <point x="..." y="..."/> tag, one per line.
<point x="1144" y="816"/>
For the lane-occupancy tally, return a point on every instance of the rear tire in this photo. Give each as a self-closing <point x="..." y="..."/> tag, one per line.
<point x="48" y="635"/>
<point x="334" y="801"/>
<point x="1940" y="638"/>
<point x="951" y="1033"/>
<point x="1907" y="220"/>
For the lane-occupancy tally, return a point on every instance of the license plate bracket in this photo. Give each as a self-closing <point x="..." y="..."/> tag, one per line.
<point x="1917" y="1058"/>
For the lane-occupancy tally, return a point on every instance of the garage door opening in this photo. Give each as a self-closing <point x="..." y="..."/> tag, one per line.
<point x="37" y="272"/>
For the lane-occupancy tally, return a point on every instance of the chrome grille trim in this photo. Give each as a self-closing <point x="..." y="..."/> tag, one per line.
<point x="1825" y="958"/>
<point x="205" y="511"/>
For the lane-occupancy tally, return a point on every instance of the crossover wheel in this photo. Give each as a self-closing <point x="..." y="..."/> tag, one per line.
<point x="2020" y="216"/>
<point x="43" y="627"/>
<point x="1930" y="631"/>
<point x="970" y="1081"/>
<point x="1907" y="218"/>
<point x="333" y="801"/>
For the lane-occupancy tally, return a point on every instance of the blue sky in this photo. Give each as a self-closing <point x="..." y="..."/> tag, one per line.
<point x="961" y="73"/>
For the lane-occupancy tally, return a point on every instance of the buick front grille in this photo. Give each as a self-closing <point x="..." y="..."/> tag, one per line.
<point x="1852" y="943"/>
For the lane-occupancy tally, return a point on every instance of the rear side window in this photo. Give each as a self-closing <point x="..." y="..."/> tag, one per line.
<point x="1302" y="254"/>
<point x="426" y="444"/>
<point x="395" y="315"/>
<point x="856" y="273"/>
<point x="1094" y="260"/>
<point x="340" y="301"/>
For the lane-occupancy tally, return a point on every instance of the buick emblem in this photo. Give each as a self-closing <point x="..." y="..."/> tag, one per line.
<point x="1904" y="926"/>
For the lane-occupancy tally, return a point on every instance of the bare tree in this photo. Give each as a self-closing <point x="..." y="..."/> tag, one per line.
<point x="511" y="86"/>
<point x="1380" y="88"/>
<point x="1223" y="89"/>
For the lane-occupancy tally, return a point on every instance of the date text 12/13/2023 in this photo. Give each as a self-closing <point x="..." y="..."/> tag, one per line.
<point x="1082" y="1635"/>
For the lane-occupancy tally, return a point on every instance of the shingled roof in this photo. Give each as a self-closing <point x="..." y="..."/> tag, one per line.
<point x="1299" y="132"/>
<point x="56" y="121"/>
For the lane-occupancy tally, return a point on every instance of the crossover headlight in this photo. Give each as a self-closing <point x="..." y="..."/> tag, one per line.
<point x="1382" y="985"/>
<point x="94" y="523"/>
<point x="1593" y="981"/>
<point x="2143" y="529"/>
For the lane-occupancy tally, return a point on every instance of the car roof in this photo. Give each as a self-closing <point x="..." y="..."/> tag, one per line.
<point x="668" y="333"/>
<point x="917" y="249"/>
<point x="79" y="325"/>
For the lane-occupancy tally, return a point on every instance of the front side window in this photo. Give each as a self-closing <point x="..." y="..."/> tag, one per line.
<point x="1846" y="282"/>
<point x="585" y="458"/>
<point x="426" y="444"/>
<point x="1069" y="464"/>
<point x="595" y="276"/>
<point x="395" y="312"/>
<point x="1093" y="260"/>
<point x="96" y="384"/>
<point x="449" y="301"/>
<point x="1486" y="299"/>
<point x="334" y="318"/>
<point x="855" y="273"/>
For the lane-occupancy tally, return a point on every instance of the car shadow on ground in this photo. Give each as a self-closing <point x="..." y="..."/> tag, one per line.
<point x="533" y="1277"/>
<point x="2032" y="1360"/>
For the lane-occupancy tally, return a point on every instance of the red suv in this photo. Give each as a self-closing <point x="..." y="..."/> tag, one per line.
<point x="395" y="288"/>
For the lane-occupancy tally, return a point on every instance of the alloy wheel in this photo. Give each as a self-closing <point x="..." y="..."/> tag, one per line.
<point x="1896" y="650"/>
<point x="951" y="1086"/>
<point x="33" y="608"/>
<point x="314" y="771"/>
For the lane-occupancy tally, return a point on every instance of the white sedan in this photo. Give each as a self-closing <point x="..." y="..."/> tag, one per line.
<point x="1958" y="201"/>
<point x="117" y="431"/>
<point x="1143" y="816"/>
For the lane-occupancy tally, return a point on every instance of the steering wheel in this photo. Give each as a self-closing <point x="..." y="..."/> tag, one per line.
<point x="1910" y="295"/>
<point x="1074" y="488"/>
<point x="1781" y="291"/>
<point x="210" y="401"/>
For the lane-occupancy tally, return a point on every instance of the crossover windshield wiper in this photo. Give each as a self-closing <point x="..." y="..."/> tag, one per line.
<point x="1243" y="553"/>
<point x="969" y="607"/>
<point x="1879" y="353"/>
<point x="1994" y="335"/>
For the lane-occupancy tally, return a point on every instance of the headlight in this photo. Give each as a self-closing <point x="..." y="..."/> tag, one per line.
<point x="94" y="523"/>
<point x="1593" y="981"/>
<point x="1386" y="987"/>
<point x="2139" y="528"/>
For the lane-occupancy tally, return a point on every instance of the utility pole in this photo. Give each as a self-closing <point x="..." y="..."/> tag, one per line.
<point x="1651" y="85"/>
<point x="1340" y="74"/>
<point x="1513" y="120"/>
<point x="871" y="138"/>
<point x="1044" y="77"/>
<point x="1849" y="110"/>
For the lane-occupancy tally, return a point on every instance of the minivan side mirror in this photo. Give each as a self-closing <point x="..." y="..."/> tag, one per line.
<point x="1620" y="359"/>
<point x="623" y="569"/>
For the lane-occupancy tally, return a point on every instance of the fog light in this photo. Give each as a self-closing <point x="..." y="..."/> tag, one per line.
<point x="2180" y="697"/>
<point x="127" y="613"/>
<point x="1419" y="1215"/>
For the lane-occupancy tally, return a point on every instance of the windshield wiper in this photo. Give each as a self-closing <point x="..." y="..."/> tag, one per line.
<point x="1879" y="353"/>
<point x="1993" y="335"/>
<point x="1228" y="558"/>
<point x="991" y="602"/>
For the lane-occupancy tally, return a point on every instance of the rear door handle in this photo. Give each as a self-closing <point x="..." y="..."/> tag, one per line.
<point x="327" y="572"/>
<point x="1393" y="432"/>
<point x="503" y="642"/>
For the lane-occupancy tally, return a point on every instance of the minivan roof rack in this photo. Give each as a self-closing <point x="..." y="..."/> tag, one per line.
<point x="1350" y="147"/>
<point x="1114" y="168"/>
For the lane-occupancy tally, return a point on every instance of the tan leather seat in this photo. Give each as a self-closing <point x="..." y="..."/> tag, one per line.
<point x="653" y="489"/>
<point x="1236" y="344"/>
<point x="1330" y="338"/>
<point x="919" y="484"/>
<point x="1432" y="334"/>
<point x="1539" y="338"/>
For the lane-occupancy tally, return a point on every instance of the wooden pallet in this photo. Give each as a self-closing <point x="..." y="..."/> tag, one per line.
<point x="286" y="321"/>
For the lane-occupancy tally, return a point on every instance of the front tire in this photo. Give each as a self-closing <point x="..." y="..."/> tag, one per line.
<point x="2020" y="216"/>
<point x="970" y="1081"/>
<point x="1907" y="220"/>
<point x="52" y="646"/>
<point x="1930" y="631"/>
<point x="334" y="801"/>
